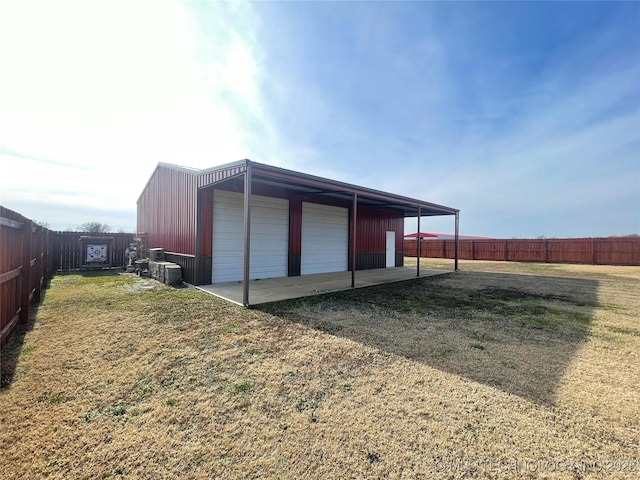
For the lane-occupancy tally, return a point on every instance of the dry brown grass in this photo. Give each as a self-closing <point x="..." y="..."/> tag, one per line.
<point x="503" y="370"/>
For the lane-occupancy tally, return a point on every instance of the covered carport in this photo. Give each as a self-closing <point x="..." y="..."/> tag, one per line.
<point x="252" y="177"/>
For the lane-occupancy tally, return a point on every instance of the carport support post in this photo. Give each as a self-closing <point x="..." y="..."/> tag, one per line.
<point x="457" y="241"/>
<point x="247" y="234"/>
<point x="198" y="232"/>
<point x="418" y="243"/>
<point x="354" y="218"/>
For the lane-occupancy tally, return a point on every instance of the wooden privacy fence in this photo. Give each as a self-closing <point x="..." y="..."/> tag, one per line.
<point x="25" y="268"/>
<point x="30" y="255"/>
<point x="594" y="251"/>
<point x="67" y="252"/>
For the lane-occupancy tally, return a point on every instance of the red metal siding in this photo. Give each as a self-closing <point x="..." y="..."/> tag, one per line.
<point x="295" y="226"/>
<point x="206" y="222"/>
<point x="166" y="210"/>
<point x="372" y="228"/>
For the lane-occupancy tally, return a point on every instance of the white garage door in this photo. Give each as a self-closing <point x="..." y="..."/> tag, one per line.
<point x="325" y="238"/>
<point x="269" y="237"/>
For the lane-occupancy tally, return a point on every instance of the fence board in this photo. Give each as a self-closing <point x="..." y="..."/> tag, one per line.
<point x="21" y="269"/>
<point x="29" y="256"/>
<point x="11" y="225"/>
<point x="596" y="251"/>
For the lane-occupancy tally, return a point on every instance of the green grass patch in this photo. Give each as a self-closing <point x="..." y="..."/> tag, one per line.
<point x="227" y="329"/>
<point x="242" y="387"/>
<point x="55" y="399"/>
<point x="27" y="351"/>
<point x="117" y="410"/>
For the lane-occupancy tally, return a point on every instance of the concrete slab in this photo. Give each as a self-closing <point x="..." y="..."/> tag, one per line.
<point x="285" y="288"/>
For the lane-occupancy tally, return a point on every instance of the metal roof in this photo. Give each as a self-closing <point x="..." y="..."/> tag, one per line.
<point x="305" y="184"/>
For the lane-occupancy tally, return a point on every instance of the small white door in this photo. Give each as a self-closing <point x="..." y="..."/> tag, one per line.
<point x="391" y="249"/>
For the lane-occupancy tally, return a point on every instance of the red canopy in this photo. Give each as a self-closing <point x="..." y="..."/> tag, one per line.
<point x="422" y="235"/>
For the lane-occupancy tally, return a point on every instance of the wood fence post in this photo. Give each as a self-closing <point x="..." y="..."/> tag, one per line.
<point x="25" y="273"/>
<point x="47" y="258"/>
<point x="546" y="251"/>
<point x="593" y="251"/>
<point x="38" y="256"/>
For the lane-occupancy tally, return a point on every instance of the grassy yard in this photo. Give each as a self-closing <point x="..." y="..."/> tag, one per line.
<point x="502" y="370"/>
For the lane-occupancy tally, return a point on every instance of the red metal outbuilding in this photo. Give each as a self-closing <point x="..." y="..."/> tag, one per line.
<point x="301" y="223"/>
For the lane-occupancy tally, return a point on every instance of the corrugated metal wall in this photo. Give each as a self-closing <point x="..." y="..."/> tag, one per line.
<point x="371" y="238"/>
<point x="206" y="222"/>
<point x="372" y="228"/>
<point x="207" y="178"/>
<point x="295" y="236"/>
<point x="167" y="207"/>
<point x="166" y="210"/>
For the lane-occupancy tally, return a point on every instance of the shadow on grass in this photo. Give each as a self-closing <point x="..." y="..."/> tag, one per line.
<point x="13" y="350"/>
<point x="518" y="333"/>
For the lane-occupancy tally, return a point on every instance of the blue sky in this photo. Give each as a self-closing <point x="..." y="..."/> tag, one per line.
<point x="525" y="116"/>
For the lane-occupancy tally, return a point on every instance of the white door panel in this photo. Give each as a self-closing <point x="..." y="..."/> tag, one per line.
<point x="325" y="238"/>
<point x="269" y="237"/>
<point x="391" y="249"/>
